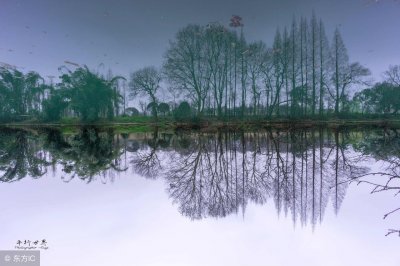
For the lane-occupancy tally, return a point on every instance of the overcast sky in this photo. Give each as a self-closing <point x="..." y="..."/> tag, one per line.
<point x="126" y="35"/>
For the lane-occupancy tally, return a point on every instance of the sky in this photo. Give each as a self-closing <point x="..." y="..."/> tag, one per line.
<point x="124" y="35"/>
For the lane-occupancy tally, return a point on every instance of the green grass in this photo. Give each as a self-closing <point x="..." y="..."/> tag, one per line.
<point x="149" y="124"/>
<point x="133" y="119"/>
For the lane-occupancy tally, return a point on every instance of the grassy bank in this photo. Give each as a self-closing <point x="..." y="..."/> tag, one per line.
<point x="148" y="124"/>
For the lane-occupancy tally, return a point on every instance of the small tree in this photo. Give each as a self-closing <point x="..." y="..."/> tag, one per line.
<point x="153" y="107"/>
<point x="183" y="112"/>
<point x="163" y="108"/>
<point x="132" y="111"/>
<point x="146" y="81"/>
<point x="383" y="98"/>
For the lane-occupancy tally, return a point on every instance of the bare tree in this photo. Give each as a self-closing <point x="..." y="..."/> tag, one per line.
<point x="345" y="74"/>
<point x="393" y="75"/>
<point x="217" y="56"/>
<point x="277" y="79"/>
<point x="256" y="60"/>
<point x="294" y="49"/>
<point x="184" y="65"/>
<point x="314" y="48"/>
<point x="146" y="81"/>
<point x="324" y="65"/>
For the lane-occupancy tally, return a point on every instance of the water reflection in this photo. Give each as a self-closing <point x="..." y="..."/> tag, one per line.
<point x="20" y="155"/>
<point x="216" y="174"/>
<point x="298" y="170"/>
<point x="89" y="153"/>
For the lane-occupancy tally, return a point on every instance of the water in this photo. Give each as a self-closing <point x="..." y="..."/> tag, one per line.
<point x="191" y="198"/>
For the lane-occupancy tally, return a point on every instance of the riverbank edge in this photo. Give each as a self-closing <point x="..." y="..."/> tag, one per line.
<point x="212" y="125"/>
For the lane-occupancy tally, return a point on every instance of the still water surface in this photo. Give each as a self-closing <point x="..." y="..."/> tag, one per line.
<point x="226" y="198"/>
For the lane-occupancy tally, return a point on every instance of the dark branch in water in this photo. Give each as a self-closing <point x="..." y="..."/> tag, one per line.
<point x="393" y="231"/>
<point x="387" y="214"/>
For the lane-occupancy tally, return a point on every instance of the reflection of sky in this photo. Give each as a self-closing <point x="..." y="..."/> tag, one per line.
<point x="126" y="35"/>
<point x="132" y="222"/>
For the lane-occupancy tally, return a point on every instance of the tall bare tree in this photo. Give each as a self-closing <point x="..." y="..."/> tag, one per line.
<point x="324" y="65"/>
<point x="256" y="60"/>
<point x="184" y="65"/>
<point x="314" y="48"/>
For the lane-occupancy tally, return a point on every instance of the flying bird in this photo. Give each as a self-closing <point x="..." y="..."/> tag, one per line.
<point x="72" y="63"/>
<point x="370" y="2"/>
<point x="6" y="65"/>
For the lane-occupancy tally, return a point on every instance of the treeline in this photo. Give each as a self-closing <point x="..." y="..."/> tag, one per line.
<point x="80" y="93"/>
<point x="212" y="71"/>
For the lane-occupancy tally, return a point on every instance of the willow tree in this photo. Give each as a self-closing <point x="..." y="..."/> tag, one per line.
<point x="20" y="156"/>
<point x="89" y="94"/>
<point x="20" y="94"/>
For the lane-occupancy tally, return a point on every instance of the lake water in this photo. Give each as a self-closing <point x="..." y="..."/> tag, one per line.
<point x="289" y="197"/>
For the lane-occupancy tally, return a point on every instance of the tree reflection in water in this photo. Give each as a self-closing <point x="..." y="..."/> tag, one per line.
<point x="87" y="154"/>
<point x="217" y="174"/>
<point x="146" y="162"/>
<point x="298" y="170"/>
<point x="21" y="154"/>
<point x="384" y="146"/>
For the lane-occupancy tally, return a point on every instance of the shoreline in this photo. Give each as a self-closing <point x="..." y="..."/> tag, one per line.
<point x="212" y="125"/>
